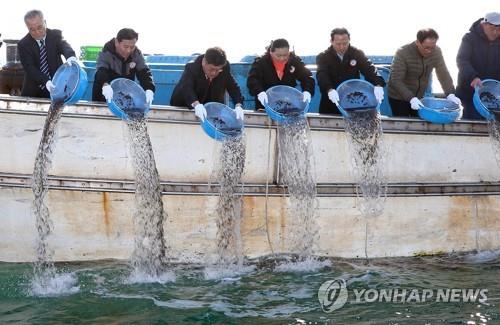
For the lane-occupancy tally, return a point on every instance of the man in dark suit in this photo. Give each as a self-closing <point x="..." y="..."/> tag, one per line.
<point x="340" y="62"/>
<point x="206" y="80"/>
<point x="40" y="53"/>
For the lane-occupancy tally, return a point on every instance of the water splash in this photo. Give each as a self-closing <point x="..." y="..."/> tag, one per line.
<point x="227" y="273"/>
<point x="44" y="271"/>
<point x="364" y="136"/>
<point x="310" y="264"/>
<point x="55" y="285"/>
<point x="229" y="168"/>
<point x="494" y="132"/>
<point x="296" y="166"/>
<point x="149" y="256"/>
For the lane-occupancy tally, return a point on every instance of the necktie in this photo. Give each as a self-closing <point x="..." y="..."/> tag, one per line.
<point x="44" y="65"/>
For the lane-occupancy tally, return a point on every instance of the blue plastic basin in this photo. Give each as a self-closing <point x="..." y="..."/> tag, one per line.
<point x="356" y="95"/>
<point x="71" y="82"/>
<point x="129" y="99"/>
<point x="487" y="98"/>
<point x="439" y="110"/>
<point x="285" y="104"/>
<point x="221" y="122"/>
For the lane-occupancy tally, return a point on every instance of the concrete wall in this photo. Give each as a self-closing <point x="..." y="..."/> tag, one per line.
<point x="93" y="223"/>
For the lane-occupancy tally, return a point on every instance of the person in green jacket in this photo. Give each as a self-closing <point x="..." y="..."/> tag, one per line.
<point x="411" y="70"/>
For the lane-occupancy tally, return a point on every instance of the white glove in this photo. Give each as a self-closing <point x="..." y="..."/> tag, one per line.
<point x="333" y="95"/>
<point x="71" y="59"/>
<point x="379" y="93"/>
<point x="239" y="112"/>
<point x="107" y="92"/>
<point x="149" y="96"/>
<point x="200" y="111"/>
<point x="454" y="99"/>
<point x="307" y="97"/>
<point x="50" y="86"/>
<point x="415" y="103"/>
<point x="262" y="96"/>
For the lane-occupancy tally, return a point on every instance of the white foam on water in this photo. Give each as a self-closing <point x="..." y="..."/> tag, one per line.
<point x="227" y="309"/>
<point x="277" y="311"/>
<point x="179" y="303"/>
<point x="227" y="273"/>
<point x="310" y="264"/>
<point x="302" y="293"/>
<point x="483" y="257"/>
<point x="58" y="285"/>
<point x="144" y="277"/>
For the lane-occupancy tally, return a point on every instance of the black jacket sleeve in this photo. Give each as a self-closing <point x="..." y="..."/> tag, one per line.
<point x="100" y="78"/>
<point x="368" y="70"/>
<point x="304" y="75"/>
<point x="232" y="87"/>
<point x="325" y="83"/>
<point x="187" y="84"/>
<point x="145" y="78"/>
<point x="30" y="61"/>
<point x="254" y="78"/>
<point x="62" y="46"/>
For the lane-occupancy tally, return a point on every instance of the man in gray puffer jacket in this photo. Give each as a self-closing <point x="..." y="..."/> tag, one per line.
<point x="411" y="70"/>
<point x="120" y="58"/>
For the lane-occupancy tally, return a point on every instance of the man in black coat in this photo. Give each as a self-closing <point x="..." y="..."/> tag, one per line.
<point x="478" y="59"/>
<point x="206" y="80"/>
<point x="278" y="66"/>
<point x="40" y="53"/>
<point x="120" y="58"/>
<point x="341" y="62"/>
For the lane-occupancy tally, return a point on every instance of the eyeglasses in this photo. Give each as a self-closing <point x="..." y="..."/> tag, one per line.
<point x="495" y="27"/>
<point x="429" y="48"/>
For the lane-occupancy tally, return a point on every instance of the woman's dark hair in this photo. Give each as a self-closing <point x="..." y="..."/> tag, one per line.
<point x="215" y="56"/>
<point x="127" y="33"/>
<point x="426" y="33"/>
<point x="339" y="31"/>
<point x="277" y="44"/>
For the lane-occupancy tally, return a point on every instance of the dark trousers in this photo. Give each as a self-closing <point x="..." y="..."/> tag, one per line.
<point x="402" y="108"/>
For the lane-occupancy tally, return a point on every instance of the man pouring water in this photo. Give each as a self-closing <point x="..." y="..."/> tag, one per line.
<point x="340" y="62"/>
<point x="120" y="58"/>
<point x="40" y="54"/>
<point x="411" y="70"/>
<point x="206" y="80"/>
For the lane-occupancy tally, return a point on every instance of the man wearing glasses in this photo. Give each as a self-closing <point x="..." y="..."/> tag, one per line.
<point x="478" y="59"/>
<point x="206" y="80"/>
<point x="410" y="73"/>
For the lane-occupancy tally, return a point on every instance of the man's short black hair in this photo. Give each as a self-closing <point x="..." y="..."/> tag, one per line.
<point x="426" y="33"/>
<point x="215" y="56"/>
<point x="339" y="31"/>
<point x="127" y="33"/>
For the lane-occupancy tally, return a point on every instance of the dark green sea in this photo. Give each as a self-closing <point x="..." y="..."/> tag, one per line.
<point x="267" y="291"/>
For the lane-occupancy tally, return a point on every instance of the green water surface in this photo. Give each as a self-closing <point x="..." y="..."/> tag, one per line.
<point x="102" y="294"/>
